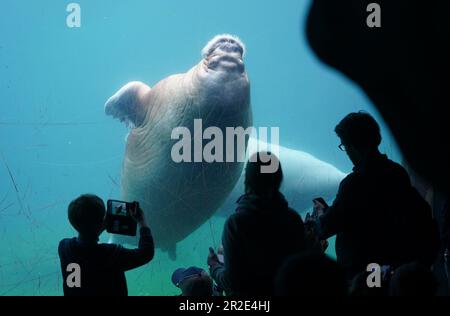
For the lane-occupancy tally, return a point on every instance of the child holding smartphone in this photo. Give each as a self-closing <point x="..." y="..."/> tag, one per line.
<point x="89" y="268"/>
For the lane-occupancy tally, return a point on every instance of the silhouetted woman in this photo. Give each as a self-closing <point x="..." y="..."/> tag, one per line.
<point x="260" y="235"/>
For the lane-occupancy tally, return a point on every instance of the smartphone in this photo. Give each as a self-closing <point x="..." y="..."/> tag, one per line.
<point x="118" y="217"/>
<point x="219" y="255"/>
<point x="321" y="201"/>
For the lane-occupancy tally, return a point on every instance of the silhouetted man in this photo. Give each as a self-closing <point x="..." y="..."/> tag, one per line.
<point x="402" y="66"/>
<point x="377" y="215"/>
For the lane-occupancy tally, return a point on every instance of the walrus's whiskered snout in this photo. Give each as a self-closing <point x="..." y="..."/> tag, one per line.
<point x="225" y="52"/>
<point x="226" y="43"/>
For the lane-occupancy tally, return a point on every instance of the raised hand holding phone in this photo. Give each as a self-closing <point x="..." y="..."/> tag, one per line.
<point x="319" y="207"/>
<point x="311" y="226"/>
<point x="122" y="217"/>
<point x="212" y="260"/>
<point x="220" y="255"/>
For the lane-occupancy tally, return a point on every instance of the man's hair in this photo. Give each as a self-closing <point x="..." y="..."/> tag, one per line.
<point x="260" y="182"/>
<point x="310" y="273"/>
<point x="359" y="130"/>
<point x="359" y="287"/>
<point x="413" y="279"/>
<point x="197" y="286"/>
<point x="86" y="214"/>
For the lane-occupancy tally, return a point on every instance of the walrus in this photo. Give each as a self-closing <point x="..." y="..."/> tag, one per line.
<point x="177" y="197"/>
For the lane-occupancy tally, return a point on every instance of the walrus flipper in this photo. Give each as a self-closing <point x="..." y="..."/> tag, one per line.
<point x="129" y="104"/>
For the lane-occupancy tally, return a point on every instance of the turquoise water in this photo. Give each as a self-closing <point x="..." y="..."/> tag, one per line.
<point x="56" y="142"/>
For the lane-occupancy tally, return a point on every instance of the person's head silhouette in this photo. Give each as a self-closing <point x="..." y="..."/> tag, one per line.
<point x="263" y="174"/>
<point x="86" y="214"/>
<point x="310" y="274"/>
<point x="360" y="136"/>
<point x="413" y="279"/>
<point x="193" y="281"/>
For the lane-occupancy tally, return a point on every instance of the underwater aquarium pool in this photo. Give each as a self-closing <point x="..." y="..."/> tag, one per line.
<point x="57" y="71"/>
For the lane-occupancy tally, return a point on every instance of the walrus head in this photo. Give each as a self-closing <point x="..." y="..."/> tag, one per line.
<point x="224" y="52"/>
<point x="222" y="62"/>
